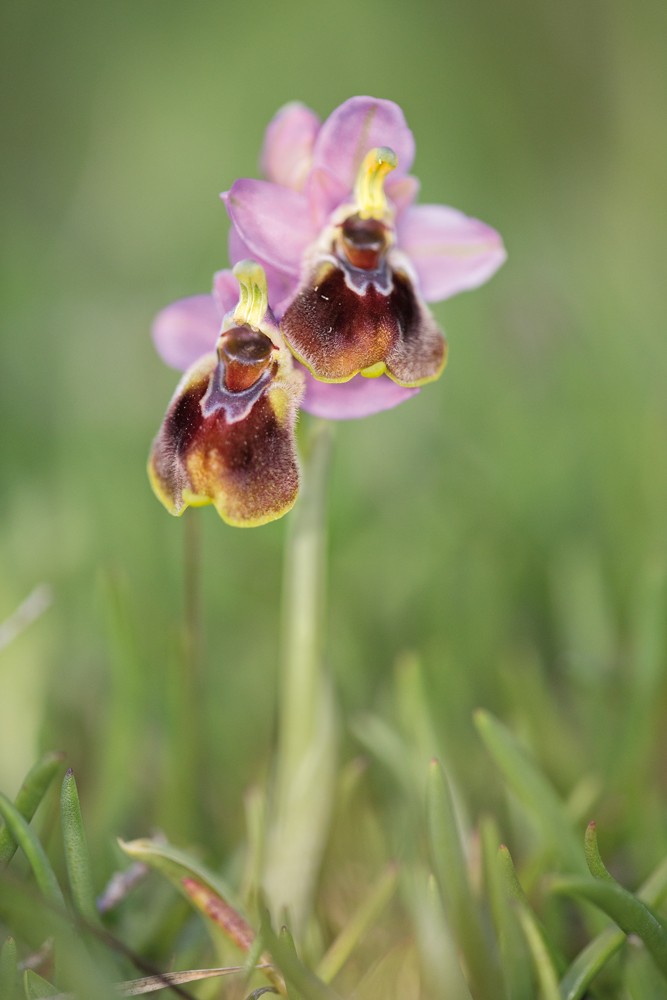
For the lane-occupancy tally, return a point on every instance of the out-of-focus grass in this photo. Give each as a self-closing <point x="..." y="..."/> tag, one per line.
<point x="508" y="525"/>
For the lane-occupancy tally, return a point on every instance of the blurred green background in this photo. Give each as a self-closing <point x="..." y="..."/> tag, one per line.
<point x="504" y="525"/>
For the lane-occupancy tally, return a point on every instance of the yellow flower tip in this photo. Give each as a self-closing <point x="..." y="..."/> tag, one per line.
<point x="369" y="187"/>
<point x="253" y="294"/>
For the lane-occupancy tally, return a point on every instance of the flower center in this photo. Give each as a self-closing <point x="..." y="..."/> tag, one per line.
<point x="245" y="354"/>
<point x="363" y="241"/>
<point x="369" y="186"/>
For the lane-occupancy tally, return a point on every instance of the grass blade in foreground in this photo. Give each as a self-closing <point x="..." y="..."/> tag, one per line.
<point x="368" y="912"/>
<point x="27" y="840"/>
<point x="30" y="794"/>
<point x="9" y="976"/>
<point x="544" y="960"/>
<point x="76" y="851"/>
<point x="206" y="893"/>
<point x="450" y="869"/>
<point x="595" y="955"/>
<point x="150" y="984"/>
<point x="297" y="976"/>
<point x="37" y="988"/>
<point x="630" y="913"/>
<point x="531" y="787"/>
<point x="514" y="959"/>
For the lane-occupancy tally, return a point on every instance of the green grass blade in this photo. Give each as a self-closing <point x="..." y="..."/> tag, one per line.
<point x="27" y="840"/>
<point x="596" y="865"/>
<point x="449" y="865"/>
<point x="514" y="964"/>
<point x="297" y="976"/>
<point x="597" y="953"/>
<point x="36" y="988"/>
<point x="546" y="973"/>
<point x="546" y="960"/>
<point x="359" y="923"/>
<point x="531" y="788"/>
<point x="631" y="914"/>
<point x="77" y="857"/>
<point x="175" y="865"/>
<point x="9" y="975"/>
<point x="589" y="962"/>
<point x="30" y="794"/>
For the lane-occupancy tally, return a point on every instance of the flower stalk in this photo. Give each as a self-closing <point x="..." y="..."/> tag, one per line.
<point x="305" y="765"/>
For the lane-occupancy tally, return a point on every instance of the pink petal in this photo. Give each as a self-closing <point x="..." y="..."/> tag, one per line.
<point x="402" y="191"/>
<point x="360" y="397"/>
<point x="225" y="290"/>
<point x="186" y="330"/>
<point x="324" y="192"/>
<point x="281" y="286"/>
<point x="353" y="129"/>
<point x="451" y="252"/>
<point x="288" y="145"/>
<point x="274" y="222"/>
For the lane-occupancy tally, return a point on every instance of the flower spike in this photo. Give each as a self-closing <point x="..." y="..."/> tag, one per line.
<point x="228" y="434"/>
<point x="369" y="187"/>
<point x="350" y="260"/>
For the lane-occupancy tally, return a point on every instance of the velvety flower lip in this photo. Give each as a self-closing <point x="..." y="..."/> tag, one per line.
<point x="357" y="310"/>
<point x="294" y="220"/>
<point x="228" y="435"/>
<point x="188" y="329"/>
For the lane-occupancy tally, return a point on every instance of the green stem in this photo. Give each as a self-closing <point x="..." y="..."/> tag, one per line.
<point x="305" y="764"/>
<point x="303" y="607"/>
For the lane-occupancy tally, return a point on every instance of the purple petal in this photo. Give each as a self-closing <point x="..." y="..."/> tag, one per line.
<point x="186" y="330"/>
<point x="353" y="129"/>
<point x="272" y="221"/>
<point x="225" y="290"/>
<point x="324" y="192"/>
<point x="288" y="145"/>
<point x="281" y="286"/>
<point x="360" y="397"/>
<point x="402" y="191"/>
<point x="451" y="252"/>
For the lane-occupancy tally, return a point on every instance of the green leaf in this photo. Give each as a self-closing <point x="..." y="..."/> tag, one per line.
<point x="9" y="975"/>
<point x="449" y="865"/>
<point x="368" y="912"/>
<point x="515" y="966"/>
<point x="297" y="976"/>
<point x="589" y="962"/>
<point x="531" y="788"/>
<point x="546" y="973"/>
<point x="204" y="891"/>
<point x="32" y="791"/>
<point x="175" y="864"/>
<point x="597" y="953"/>
<point x="27" y="840"/>
<point x="596" y="865"/>
<point x="631" y="914"/>
<point x="36" y="988"/>
<point x="546" y="962"/>
<point x="77" y="857"/>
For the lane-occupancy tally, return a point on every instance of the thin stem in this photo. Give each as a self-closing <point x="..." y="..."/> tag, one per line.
<point x="305" y="764"/>
<point x="304" y="583"/>
<point x="186" y="707"/>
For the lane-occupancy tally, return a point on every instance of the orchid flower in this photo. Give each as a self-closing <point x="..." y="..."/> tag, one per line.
<point x="228" y="435"/>
<point x="351" y="260"/>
